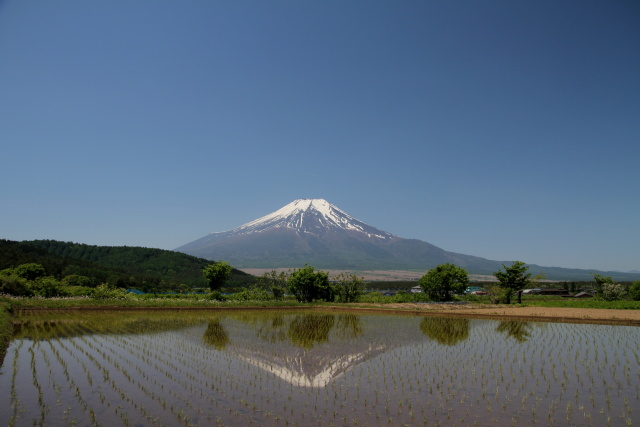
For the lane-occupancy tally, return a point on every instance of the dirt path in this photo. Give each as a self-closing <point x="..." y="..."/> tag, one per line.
<point x="558" y="314"/>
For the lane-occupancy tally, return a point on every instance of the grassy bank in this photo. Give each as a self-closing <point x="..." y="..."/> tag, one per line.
<point x="179" y="301"/>
<point x="584" y="303"/>
<point x="6" y="327"/>
<point x="79" y="302"/>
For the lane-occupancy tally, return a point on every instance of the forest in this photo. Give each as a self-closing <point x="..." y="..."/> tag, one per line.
<point x="145" y="269"/>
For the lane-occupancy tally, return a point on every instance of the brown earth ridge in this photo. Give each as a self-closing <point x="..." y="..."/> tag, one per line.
<point x="537" y="314"/>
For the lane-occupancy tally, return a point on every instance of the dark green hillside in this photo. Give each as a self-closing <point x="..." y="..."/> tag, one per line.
<point x="124" y="266"/>
<point x="14" y="253"/>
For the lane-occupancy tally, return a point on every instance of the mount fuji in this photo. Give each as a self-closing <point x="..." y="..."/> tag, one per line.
<point x="315" y="232"/>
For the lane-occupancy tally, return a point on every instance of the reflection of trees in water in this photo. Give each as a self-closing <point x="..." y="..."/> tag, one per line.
<point x="516" y="329"/>
<point x="308" y="329"/>
<point x="445" y="331"/>
<point x="349" y="326"/>
<point x="273" y="331"/>
<point x="216" y="335"/>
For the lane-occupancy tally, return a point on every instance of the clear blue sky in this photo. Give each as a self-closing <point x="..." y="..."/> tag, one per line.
<point x="507" y="129"/>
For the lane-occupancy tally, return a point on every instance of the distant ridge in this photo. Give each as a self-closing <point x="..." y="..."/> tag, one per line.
<point x="315" y="232"/>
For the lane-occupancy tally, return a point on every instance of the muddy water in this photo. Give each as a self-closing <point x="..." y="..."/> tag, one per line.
<point x="287" y="368"/>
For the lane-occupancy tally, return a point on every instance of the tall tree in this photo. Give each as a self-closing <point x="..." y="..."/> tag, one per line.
<point x="513" y="278"/>
<point x="442" y="282"/>
<point x="601" y="281"/>
<point x="217" y="273"/>
<point x="307" y="284"/>
<point x="348" y="287"/>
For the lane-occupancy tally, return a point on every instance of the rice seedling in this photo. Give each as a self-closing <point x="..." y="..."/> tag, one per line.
<point x="288" y="368"/>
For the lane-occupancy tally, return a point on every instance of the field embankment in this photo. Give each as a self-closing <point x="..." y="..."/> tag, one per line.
<point x="6" y="328"/>
<point x="555" y="314"/>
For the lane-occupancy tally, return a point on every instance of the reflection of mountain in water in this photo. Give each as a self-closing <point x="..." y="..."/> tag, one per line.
<point x="313" y="349"/>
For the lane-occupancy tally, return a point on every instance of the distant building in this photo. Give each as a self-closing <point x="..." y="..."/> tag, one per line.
<point x="471" y="289"/>
<point x="416" y="290"/>
<point x="558" y="292"/>
<point x="583" y="295"/>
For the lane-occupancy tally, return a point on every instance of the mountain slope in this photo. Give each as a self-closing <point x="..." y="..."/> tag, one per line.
<point x="315" y="232"/>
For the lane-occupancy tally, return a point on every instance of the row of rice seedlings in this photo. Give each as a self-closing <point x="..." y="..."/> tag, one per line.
<point x="490" y="375"/>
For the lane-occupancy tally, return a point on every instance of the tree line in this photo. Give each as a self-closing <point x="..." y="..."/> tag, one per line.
<point x="446" y="280"/>
<point x="74" y="264"/>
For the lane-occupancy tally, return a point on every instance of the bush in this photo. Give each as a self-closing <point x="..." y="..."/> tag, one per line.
<point x="634" y="291"/>
<point x="613" y="291"/>
<point x="48" y="287"/>
<point x="215" y="296"/>
<point x="14" y="285"/>
<point x="104" y="291"/>
<point x="251" y="294"/>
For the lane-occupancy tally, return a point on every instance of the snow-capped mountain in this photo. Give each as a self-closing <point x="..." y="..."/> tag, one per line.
<point x="311" y="216"/>
<point x="315" y="232"/>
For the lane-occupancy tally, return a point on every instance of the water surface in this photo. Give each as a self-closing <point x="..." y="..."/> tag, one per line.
<point x="315" y="368"/>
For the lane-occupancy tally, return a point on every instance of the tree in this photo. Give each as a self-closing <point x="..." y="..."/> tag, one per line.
<point x="601" y="281"/>
<point x="442" y="282"/>
<point x="513" y="278"/>
<point x="275" y="282"/>
<point x="30" y="271"/>
<point x="217" y="273"/>
<point x="307" y="284"/>
<point x="634" y="291"/>
<point x="348" y="288"/>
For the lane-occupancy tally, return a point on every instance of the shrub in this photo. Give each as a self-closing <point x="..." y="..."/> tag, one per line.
<point x="612" y="291"/>
<point x="104" y="291"/>
<point x="215" y="296"/>
<point x="48" y="287"/>
<point x="12" y="284"/>
<point x="253" y="293"/>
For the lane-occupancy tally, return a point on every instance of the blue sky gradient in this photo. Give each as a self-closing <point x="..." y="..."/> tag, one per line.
<point x="501" y="129"/>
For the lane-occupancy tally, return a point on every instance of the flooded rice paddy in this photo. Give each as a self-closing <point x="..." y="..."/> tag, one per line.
<point x="306" y="368"/>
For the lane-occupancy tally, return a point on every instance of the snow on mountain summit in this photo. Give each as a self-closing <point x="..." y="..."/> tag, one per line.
<point x="310" y="216"/>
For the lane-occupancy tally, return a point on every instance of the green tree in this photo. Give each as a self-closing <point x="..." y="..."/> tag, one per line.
<point x="307" y="284"/>
<point x="30" y="271"/>
<point x="634" y="291"/>
<point x="217" y="273"/>
<point x="275" y="282"/>
<point x="601" y="281"/>
<point x="348" y="287"/>
<point x="513" y="278"/>
<point x="442" y="282"/>
<point x="48" y="287"/>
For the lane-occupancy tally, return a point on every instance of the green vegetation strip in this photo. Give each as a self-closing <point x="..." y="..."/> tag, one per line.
<point x="585" y="303"/>
<point x="6" y="328"/>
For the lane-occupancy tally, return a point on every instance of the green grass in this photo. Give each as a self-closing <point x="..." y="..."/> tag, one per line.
<point x="585" y="303"/>
<point x="135" y="302"/>
<point x="6" y="328"/>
